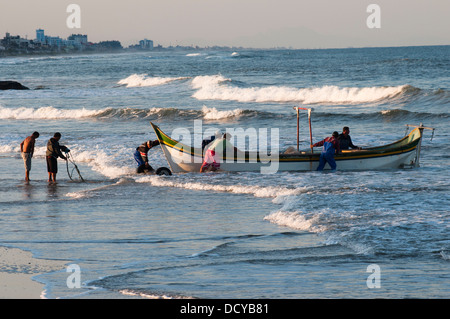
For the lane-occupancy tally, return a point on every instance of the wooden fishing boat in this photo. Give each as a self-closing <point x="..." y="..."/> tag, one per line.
<point x="400" y="154"/>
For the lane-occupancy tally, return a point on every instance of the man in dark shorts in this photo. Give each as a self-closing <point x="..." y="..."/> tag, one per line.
<point x="54" y="150"/>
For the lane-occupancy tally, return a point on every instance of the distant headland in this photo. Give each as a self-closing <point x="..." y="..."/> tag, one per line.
<point x="77" y="43"/>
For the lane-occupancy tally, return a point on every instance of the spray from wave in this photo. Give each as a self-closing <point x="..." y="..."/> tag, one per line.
<point x="138" y="80"/>
<point x="216" y="87"/>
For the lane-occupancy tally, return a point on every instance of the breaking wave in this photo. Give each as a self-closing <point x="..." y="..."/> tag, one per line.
<point x="217" y="87"/>
<point x="295" y="220"/>
<point x="50" y="112"/>
<point x="214" y="114"/>
<point x="47" y="112"/>
<point x="138" y="80"/>
<point x="205" y="113"/>
<point x="220" y="88"/>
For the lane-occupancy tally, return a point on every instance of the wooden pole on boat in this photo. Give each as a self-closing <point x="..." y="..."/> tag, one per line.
<point x="298" y="123"/>
<point x="310" y="130"/>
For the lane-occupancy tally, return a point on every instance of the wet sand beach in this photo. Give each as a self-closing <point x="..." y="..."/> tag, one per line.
<point x="17" y="269"/>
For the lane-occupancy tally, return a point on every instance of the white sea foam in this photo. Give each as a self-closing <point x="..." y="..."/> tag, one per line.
<point x="214" y="114"/>
<point x="289" y="219"/>
<point x="7" y="148"/>
<point x="102" y="162"/>
<point x="216" y="87"/>
<point x="47" y="112"/>
<point x="202" y="81"/>
<point x="137" y="80"/>
<point x="295" y="220"/>
<point x="128" y="292"/>
<point x="87" y="193"/>
<point x="257" y="191"/>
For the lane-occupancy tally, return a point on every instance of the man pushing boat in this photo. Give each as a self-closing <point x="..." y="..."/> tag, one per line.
<point x="141" y="156"/>
<point x="330" y="147"/>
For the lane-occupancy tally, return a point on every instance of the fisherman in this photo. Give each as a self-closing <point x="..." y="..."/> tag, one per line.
<point x="215" y="152"/>
<point x="330" y="147"/>
<point x="345" y="141"/>
<point x="209" y="140"/>
<point x="27" y="151"/>
<point x="141" y="156"/>
<point x="54" y="150"/>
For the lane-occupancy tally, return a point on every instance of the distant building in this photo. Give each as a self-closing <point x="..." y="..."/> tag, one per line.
<point x="16" y="45"/>
<point x="40" y="36"/>
<point x="146" y="44"/>
<point x="54" y="41"/>
<point x="78" y="40"/>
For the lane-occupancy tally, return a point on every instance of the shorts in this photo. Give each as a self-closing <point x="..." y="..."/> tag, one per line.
<point x="27" y="160"/>
<point x="52" y="164"/>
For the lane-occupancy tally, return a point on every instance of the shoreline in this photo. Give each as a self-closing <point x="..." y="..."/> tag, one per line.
<point x="17" y="269"/>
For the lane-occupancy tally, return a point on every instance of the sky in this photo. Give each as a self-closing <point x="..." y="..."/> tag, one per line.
<point x="248" y="23"/>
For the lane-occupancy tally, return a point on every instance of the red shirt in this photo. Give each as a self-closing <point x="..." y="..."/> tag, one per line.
<point x="327" y="142"/>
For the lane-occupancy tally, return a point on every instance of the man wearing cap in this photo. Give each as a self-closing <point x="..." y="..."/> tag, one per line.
<point x="330" y="147"/>
<point x="141" y="156"/>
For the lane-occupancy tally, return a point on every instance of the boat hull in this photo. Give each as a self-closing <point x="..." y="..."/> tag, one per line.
<point x="403" y="153"/>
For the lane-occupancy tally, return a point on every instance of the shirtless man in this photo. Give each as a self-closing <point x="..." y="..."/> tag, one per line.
<point x="27" y="150"/>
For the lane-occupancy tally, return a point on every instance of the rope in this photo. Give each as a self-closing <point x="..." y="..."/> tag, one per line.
<point x="69" y="159"/>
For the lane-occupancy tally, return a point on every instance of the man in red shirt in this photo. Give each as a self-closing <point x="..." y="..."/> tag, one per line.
<point x="330" y="147"/>
<point x="27" y="150"/>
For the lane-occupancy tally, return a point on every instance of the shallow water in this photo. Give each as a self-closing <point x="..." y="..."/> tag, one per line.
<point x="229" y="235"/>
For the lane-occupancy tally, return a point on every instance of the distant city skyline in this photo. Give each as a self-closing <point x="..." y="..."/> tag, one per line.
<point x="247" y="23"/>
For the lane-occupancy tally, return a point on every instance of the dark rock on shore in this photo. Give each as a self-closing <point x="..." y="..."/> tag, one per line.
<point x="12" y="85"/>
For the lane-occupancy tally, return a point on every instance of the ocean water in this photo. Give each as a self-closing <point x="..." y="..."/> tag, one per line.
<point x="290" y="235"/>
